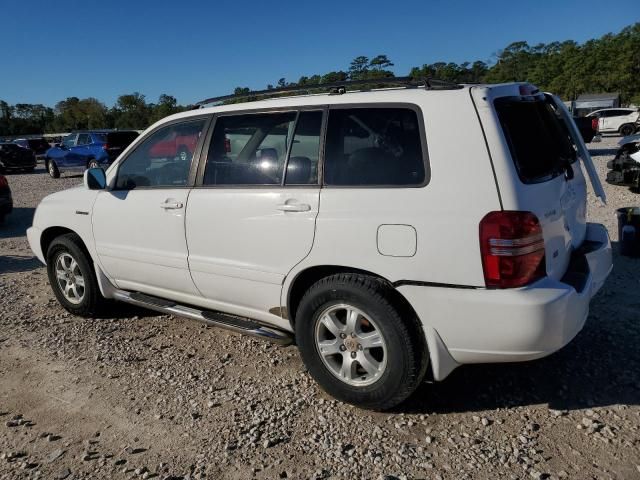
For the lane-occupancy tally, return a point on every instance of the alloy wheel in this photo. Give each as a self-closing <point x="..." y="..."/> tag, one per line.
<point x="350" y="345"/>
<point x="70" y="279"/>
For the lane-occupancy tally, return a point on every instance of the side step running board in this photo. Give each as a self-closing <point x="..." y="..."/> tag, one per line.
<point x="215" y="319"/>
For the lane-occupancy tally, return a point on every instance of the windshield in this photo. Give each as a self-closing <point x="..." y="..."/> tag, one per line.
<point x="538" y="139"/>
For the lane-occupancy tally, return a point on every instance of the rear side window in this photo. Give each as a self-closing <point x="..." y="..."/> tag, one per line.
<point x="539" y="141"/>
<point x="374" y="147"/>
<point x="249" y="149"/>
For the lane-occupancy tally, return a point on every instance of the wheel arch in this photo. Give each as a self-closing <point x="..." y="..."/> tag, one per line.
<point x="307" y="277"/>
<point x="51" y="233"/>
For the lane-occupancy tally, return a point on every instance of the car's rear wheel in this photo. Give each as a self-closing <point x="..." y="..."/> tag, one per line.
<point x="52" y="168"/>
<point x="626" y="130"/>
<point x="355" y="343"/>
<point x="72" y="277"/>
<point x="93" y="163"/>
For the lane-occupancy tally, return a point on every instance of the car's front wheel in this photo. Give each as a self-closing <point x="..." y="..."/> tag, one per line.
<point x="52" y="168"/>
<point x="355" y="343"/>
<point x="72" y="277"/>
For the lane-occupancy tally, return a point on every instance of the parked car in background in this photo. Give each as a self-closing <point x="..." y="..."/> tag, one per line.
<point x="587" y="126"/>
<point x="38" y="146"/>
<point x="617" y="120"/>
<point x="6" y="202"/>
<point x="325" y="220"/>
<point x="14" y="157"/>
<point x="81" y="150"/>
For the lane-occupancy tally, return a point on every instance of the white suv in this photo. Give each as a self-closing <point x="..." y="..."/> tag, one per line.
<point x="361" y="225"/>
<point x="617" y="120"/>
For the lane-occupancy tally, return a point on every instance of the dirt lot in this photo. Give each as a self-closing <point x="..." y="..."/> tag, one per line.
<point x="144" y="396"/>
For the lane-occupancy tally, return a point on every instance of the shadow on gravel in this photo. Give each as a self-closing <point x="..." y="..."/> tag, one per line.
<point x="17" y="222"/>
<point x="15" y="264"/>
<point x="599" y="368"/>
<point x="603" y="151"/>
<point x="123" y="311"/>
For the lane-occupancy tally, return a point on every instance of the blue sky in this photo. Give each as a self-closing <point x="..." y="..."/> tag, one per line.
<point x="197" y="49"/>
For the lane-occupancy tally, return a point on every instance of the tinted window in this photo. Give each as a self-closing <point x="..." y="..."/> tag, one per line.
<point x="69" y="140"/>
<point x="374" y="146"/>
<point x="163" y="159"/>
<point x="249" y="149"/>
<point x="99" y="138"/>
<point x="302" y="167"/>
<point x="538" y="139"/>
<point x="84" y="139"/>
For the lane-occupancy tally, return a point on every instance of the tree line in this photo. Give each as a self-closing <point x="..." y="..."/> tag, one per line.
<point x="610" y="63"/>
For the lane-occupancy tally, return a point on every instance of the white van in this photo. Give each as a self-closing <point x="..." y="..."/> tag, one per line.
<point x="388" y="233"/>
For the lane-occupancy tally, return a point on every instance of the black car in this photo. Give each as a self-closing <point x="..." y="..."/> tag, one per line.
<point x="6" y="202"/>
<point x="14" y="157"/>
<point x="38" y="146"/>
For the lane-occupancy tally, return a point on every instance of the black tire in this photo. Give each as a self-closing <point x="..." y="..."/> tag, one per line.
<point x="406" y="351"/>
<point x="52" y="168"/>
<point x="93" y="163"/>
<point x="626" y="130"/>
<point x="92" y="300"/>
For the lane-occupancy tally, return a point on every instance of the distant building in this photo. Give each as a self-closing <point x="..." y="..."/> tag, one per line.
<point x="588" y="102"/>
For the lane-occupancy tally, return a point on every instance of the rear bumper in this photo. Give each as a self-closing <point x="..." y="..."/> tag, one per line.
<point x="17" y="164"/>
<point x="484" y="326"/>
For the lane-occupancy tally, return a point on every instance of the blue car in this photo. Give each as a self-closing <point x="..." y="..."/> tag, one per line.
<point x="81" y="150"/>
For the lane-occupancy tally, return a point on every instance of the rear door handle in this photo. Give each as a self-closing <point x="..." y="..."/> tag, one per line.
<point x="294" y="207"/>
<point x="171" y="205"/>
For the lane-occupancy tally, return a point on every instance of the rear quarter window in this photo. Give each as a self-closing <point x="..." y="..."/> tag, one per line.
<point x="539" y="141"/>
<point x="374" y="147"/>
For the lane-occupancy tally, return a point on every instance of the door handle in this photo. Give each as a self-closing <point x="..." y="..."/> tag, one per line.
<point x="171" y="205"/>
<point x="294" y="207"/>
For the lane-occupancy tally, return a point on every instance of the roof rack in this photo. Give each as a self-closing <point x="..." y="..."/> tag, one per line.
<point x="338" y="88"/>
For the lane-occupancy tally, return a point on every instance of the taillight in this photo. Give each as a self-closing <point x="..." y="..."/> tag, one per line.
<point x="594" y="124"/>
<point x="512" y="249"/>
<point x="227" y="145"/>
<point x="3" y="182"/>
<point x="105" y="147"/>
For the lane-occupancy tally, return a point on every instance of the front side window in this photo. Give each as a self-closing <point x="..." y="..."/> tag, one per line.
<point x="374" y="147"/>
<point x="249" y="149"/>
<point x="69" y="141"/>
<point x="163" y="159"/>
<point x="84" y="139"/>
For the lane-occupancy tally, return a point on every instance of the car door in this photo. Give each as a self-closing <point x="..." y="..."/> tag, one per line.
<point x="78" y="153"/>
<point x="61" y="154"/>
<point x="251" y="218"/>
<point x="138" y="224"/>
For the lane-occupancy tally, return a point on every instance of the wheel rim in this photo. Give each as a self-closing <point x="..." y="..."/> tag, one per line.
<point x="183" y="155"/>
<point x="69" y="277"/>
<point x="52" y="168"/>
<point x="93" y="164"/>
<point x="350" y="345"/>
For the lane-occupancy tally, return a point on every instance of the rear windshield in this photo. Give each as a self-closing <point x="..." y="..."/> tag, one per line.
<point x="121" y="139"/>
<point x="538" y="139"/>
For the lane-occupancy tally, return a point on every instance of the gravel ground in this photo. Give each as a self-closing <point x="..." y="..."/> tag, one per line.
<point x="145" y="396"/>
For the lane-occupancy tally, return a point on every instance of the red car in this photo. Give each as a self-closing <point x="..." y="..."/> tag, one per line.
<point x="176" y="145"/>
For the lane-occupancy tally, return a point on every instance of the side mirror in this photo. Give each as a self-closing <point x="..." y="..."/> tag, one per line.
<point x="95" y="179"/>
